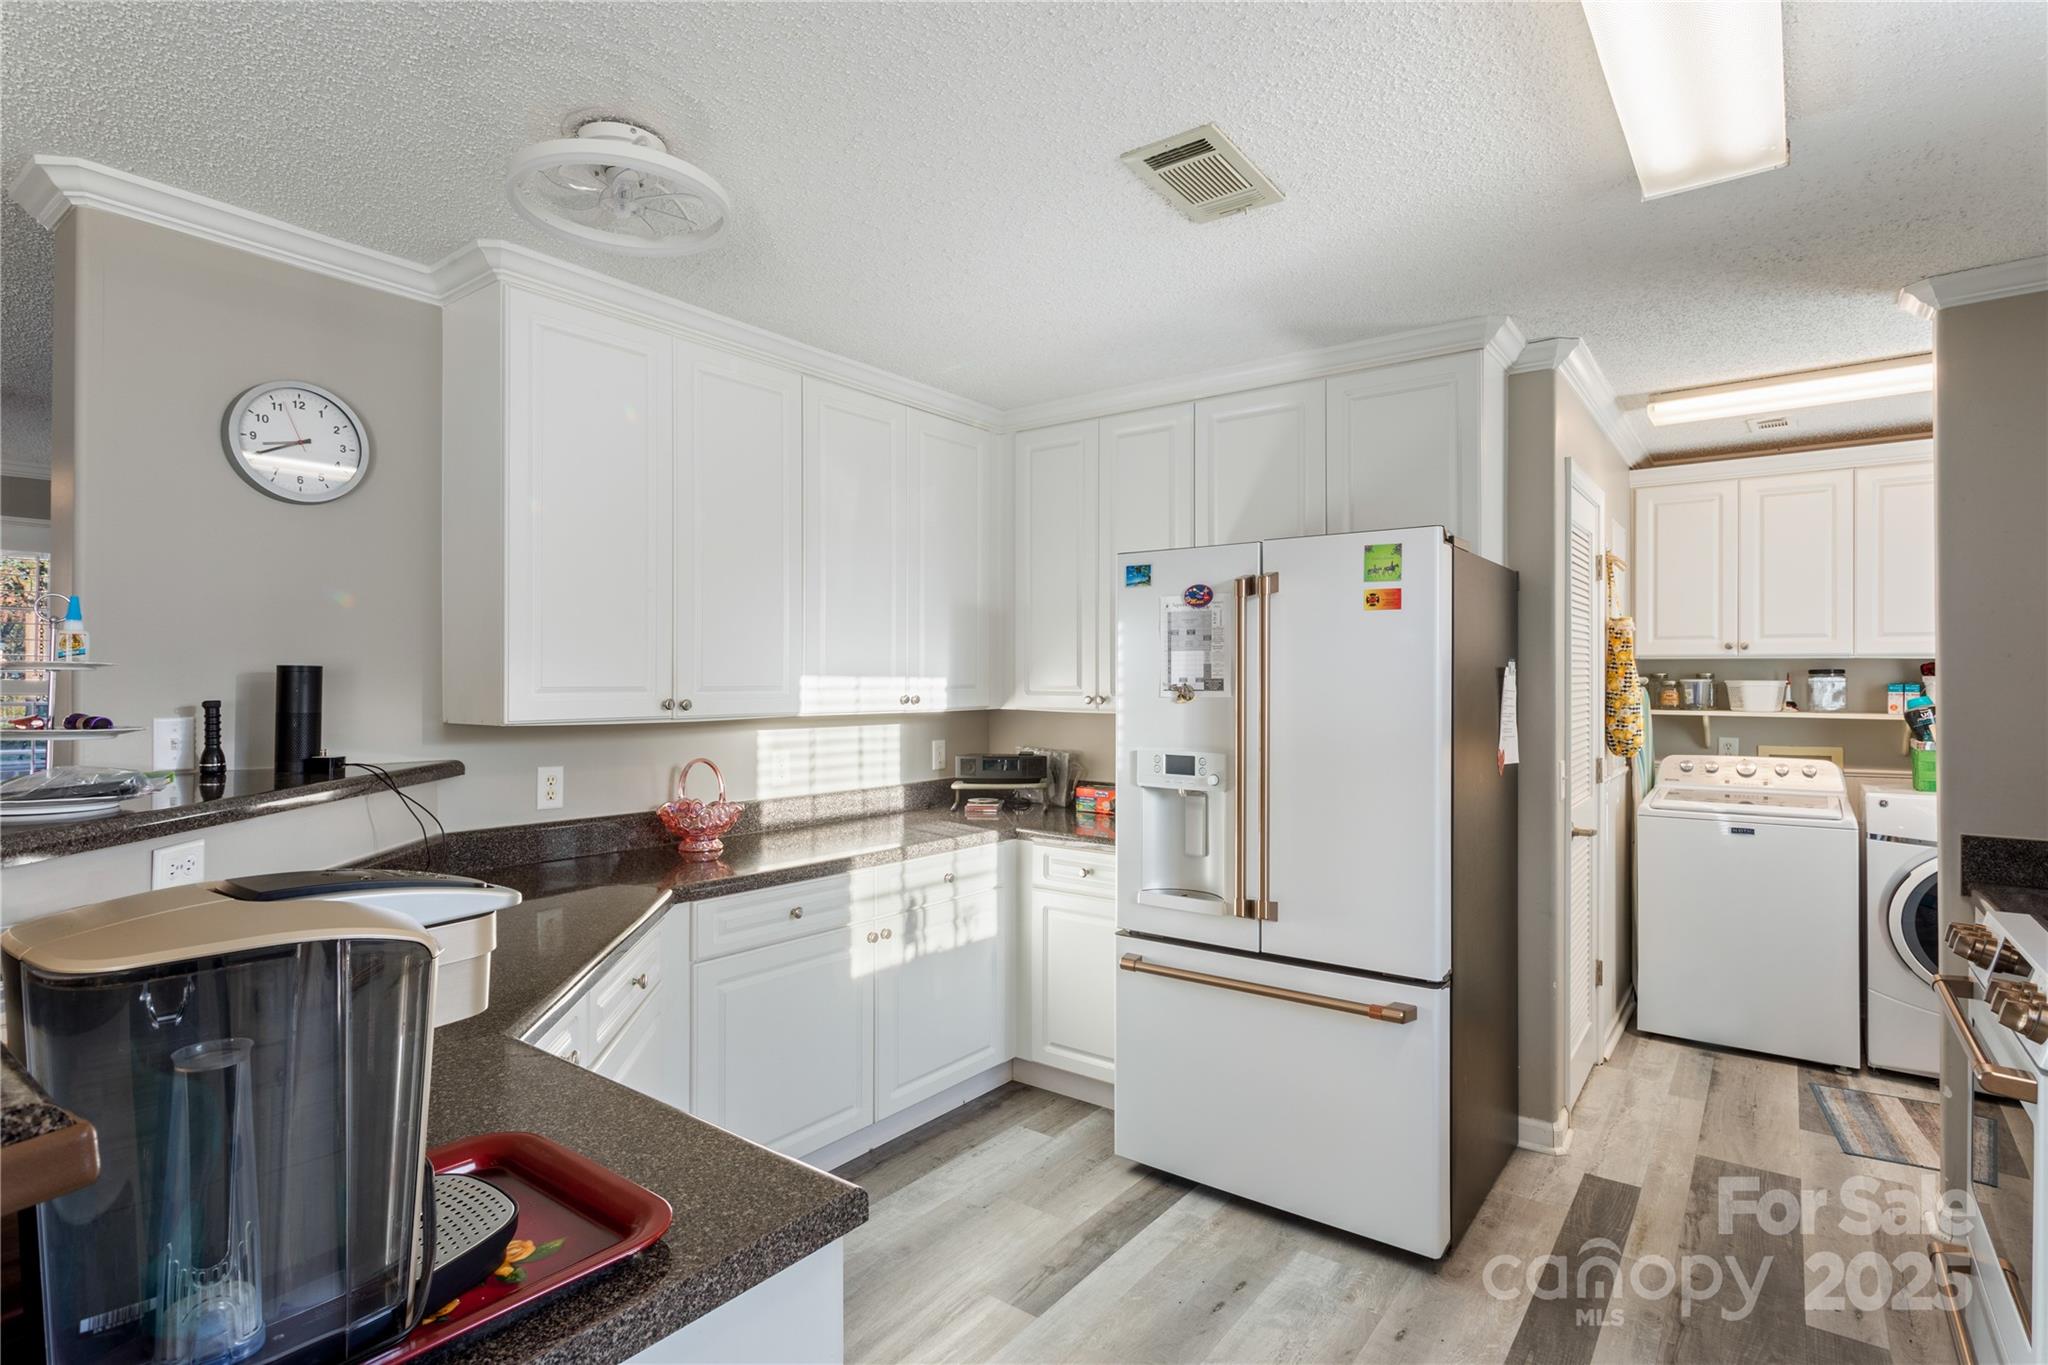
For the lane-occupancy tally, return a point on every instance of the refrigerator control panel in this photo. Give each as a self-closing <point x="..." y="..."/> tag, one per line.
<point x="1187" y="769"/>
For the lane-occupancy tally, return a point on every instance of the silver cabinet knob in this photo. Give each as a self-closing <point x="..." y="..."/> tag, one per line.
<point x="949" y="876"/>
<point x="872" y="936"/>
<point x="1727" y="644"/>
<point x="683" y="705"/>
<point x="1743" y="645"/>
<point x="640" y="981"/>
<point x="1087" y="871"/>
<point x="668" y="703"/>
<point x="796" y="912"/>
<point x="916" y="700"/>
<point x="575" y="1058"/>
<point x="886" y="933"/>
<point x="903" y="700"/>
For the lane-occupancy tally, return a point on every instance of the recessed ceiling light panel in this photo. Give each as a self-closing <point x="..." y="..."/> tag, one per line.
<point x="1790" y="392"/>
<point x="1699" y="87"/>
<point x="615" y="186"/>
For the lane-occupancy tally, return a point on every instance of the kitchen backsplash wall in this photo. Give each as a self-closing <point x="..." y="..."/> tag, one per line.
<point x="1865" y="744"/>
<point x="197" y="586"/>
<point x="1091" y="736"/>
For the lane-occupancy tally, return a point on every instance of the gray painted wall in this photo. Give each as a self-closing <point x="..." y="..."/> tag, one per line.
<point x="198" y="586"/>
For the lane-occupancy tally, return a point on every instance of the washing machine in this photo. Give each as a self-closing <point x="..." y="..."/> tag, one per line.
<point x="1748" y="923"/>
<point x="1902" y="928"/>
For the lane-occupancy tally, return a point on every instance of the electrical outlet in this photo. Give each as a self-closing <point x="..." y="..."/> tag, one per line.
<point x="549" y="796"/>
<point x="170" y="743"/>
<point x="177" y="864"/>
<point x="1730" y="745"/>
<point x="938" y="755"/>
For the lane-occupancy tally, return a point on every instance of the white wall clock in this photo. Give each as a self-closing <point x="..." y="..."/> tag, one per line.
<point x="296" y="441"/>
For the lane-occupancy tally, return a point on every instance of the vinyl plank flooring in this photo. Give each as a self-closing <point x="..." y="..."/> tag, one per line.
<point x="1564" y="1330"/>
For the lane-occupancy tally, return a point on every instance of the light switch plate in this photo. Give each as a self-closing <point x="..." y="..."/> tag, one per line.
<point x="170" y="743"/>
<point x="938" y="755"/>
<point x="177" y="864"/>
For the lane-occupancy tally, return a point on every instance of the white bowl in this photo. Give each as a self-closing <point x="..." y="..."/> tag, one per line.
<point x="1756" y="694"/>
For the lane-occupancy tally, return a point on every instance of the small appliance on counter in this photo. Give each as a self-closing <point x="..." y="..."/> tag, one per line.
<point x="298" y="717"/>
<point x="997" y="776"/>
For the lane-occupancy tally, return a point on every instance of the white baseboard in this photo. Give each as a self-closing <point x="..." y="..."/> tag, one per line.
<point x="1086" y="1089"/>
<point x="835" y="1154"/>
<point x="1552" y="1137"/>
<point x="1620" y="1025"/>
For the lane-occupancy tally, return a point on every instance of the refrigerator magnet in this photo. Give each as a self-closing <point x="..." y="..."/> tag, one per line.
<point x="1383" y="599"/>
<point x="1383" y="563"/>
<point x="1198" y="595"/>
<point x="1137" y="575"/>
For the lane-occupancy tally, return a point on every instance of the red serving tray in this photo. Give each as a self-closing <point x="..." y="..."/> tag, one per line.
<point x="575" y="1218"/>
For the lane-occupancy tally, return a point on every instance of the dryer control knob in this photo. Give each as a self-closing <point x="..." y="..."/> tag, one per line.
<point x="1685" y="765"/>
<point x="1745" y="770"/>
<point x="1713" y="767"/>
<point x="1782" y="769"/>
<point x="1808" y="770"/>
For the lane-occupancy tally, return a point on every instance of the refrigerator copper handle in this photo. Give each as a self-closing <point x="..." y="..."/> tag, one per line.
<point x="1269" y="584"/>
<point x="1238" y="906"/>
<point x="1394" y="1013"/>
<point x="1949" y="1261"/>
<point x="2004" y="1081"/>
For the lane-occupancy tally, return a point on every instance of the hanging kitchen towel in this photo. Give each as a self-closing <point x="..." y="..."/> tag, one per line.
<point x="1624" y="689"/>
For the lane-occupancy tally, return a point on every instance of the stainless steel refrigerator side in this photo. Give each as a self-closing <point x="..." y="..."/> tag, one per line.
<point x="1484" y="919"/>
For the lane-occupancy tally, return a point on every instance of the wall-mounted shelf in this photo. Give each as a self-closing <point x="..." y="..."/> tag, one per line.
<point x="10" y="732"/>
<point x="51" y="665"/>
<point x="1706" y="718"/>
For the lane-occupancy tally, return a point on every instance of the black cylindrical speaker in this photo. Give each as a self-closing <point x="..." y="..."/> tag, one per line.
<point x="298" y="717"/>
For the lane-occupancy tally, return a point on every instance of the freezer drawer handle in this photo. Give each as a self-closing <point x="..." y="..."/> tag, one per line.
<point x="1993" y="1079"/>
<point x="1386" y="1014"/>
<point x="1949" y="1261"/>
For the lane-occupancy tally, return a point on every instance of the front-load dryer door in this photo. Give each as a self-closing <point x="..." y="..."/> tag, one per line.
<point x="1913" y="917"/>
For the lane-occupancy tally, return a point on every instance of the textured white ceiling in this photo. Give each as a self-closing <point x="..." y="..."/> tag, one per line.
<point x="935" y="188"/>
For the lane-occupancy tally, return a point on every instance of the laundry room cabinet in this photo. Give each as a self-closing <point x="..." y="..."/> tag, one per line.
<point x="1823" y="554"/>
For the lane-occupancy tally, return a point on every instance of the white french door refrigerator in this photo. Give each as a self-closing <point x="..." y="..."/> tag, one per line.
<point x="1316" y="876"/>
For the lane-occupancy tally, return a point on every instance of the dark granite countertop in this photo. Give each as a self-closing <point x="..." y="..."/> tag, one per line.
<point x="45" y="1150"/>
<point x="742" y="1212"/>
<point x="181" y="809"/>
<point x="25" y="1111"/>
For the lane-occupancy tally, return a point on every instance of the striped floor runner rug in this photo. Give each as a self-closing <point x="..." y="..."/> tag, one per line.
<point x="1892" y="1128"/>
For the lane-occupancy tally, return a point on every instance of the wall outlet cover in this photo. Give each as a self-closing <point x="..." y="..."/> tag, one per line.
<point x="548" y="795"/>
<point x="938" y="755"/>
<point x="170" y="743"/>
<point x="1729" y="744"/>
<point x="177" y="864"/>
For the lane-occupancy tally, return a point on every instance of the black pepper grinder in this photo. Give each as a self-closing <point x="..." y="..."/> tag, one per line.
<point x="213" y="760"/>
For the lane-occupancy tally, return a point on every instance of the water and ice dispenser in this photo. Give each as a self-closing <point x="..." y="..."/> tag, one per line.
<point x="1185" y="816"/>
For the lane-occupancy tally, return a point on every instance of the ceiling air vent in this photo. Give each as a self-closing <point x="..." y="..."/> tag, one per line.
<point x="1770" y="424"/>
<point x="1203" y="174"/>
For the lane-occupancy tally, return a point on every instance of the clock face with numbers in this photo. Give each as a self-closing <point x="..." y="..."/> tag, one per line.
<point x="297" y="442"/>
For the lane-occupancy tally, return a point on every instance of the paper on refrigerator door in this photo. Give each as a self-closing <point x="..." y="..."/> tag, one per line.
<point x="1510" y="747"/>
<point x="1196" y="644"/>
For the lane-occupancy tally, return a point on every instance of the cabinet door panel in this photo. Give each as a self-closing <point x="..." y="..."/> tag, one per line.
<point x="1072" y="973"/>
<point x="739" y="535"/>
<point x="1260" y="465"/>
<point x="783" y="1041"/>
<point x="1404" y="447"/>
<point x="1798" y="557"/>
<point x="641" y="1058"/>
<point x="1147" y="502"/>
<point x="1685" y="569"/>
<point x="950" y="580"/>
<point x="1056" y="548"/>
<point x="1895" y="560"/>
<point x="856" y="546"/>
<point x="590" y="471"/>
<point x="942" y="1000"/>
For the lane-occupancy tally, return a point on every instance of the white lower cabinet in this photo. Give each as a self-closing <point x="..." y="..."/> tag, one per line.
<point x="641" y="1056"/>
<point x="941" y="999"/>
<point x="783" y="1040"/>
<point x="1070" y="974"/>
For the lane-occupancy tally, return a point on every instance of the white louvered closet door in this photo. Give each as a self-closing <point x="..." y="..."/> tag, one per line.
<point x="1585" y="646"/>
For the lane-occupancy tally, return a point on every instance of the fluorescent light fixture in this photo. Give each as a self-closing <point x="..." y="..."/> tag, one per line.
<point x="1785" y="392"/>
<point x="1699" y="86"/>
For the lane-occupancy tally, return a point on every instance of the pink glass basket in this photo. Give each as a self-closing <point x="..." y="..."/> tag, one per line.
<point x="700" y="825"/>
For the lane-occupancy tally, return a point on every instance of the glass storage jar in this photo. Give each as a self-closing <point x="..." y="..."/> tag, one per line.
<point x="1827" y="689"/>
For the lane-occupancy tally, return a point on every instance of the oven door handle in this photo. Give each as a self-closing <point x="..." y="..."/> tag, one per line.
<point x="1951" y="1260"/>
<point x="2003" y="1081"/>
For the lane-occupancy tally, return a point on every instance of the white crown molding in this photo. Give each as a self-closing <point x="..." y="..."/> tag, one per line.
<point x="1573" y="360"/>
<point x="1979" y="285"/>
<point x="1909" y="451"/>
<point x="480" y="263"/>
<point x="1497" y="336"/>
<point x="51" y="186"/>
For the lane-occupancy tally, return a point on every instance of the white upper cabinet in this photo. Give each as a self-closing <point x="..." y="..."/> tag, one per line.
<point x="1145" y="501"/>
<point x="1685" y="569"/>
<point x="1798" y="556"/>
<point x="857" y="548"/>
<point x="1820" y="554"/>
<point x="1408" y="448"/>
<point x="738" y="535"/>
<point x="1260" y="465"/>
<point x="558" y="487"/>
<point x="1054" y="664"/>
<point x="1895" y="560"/>
<point x="952" y="475"/>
